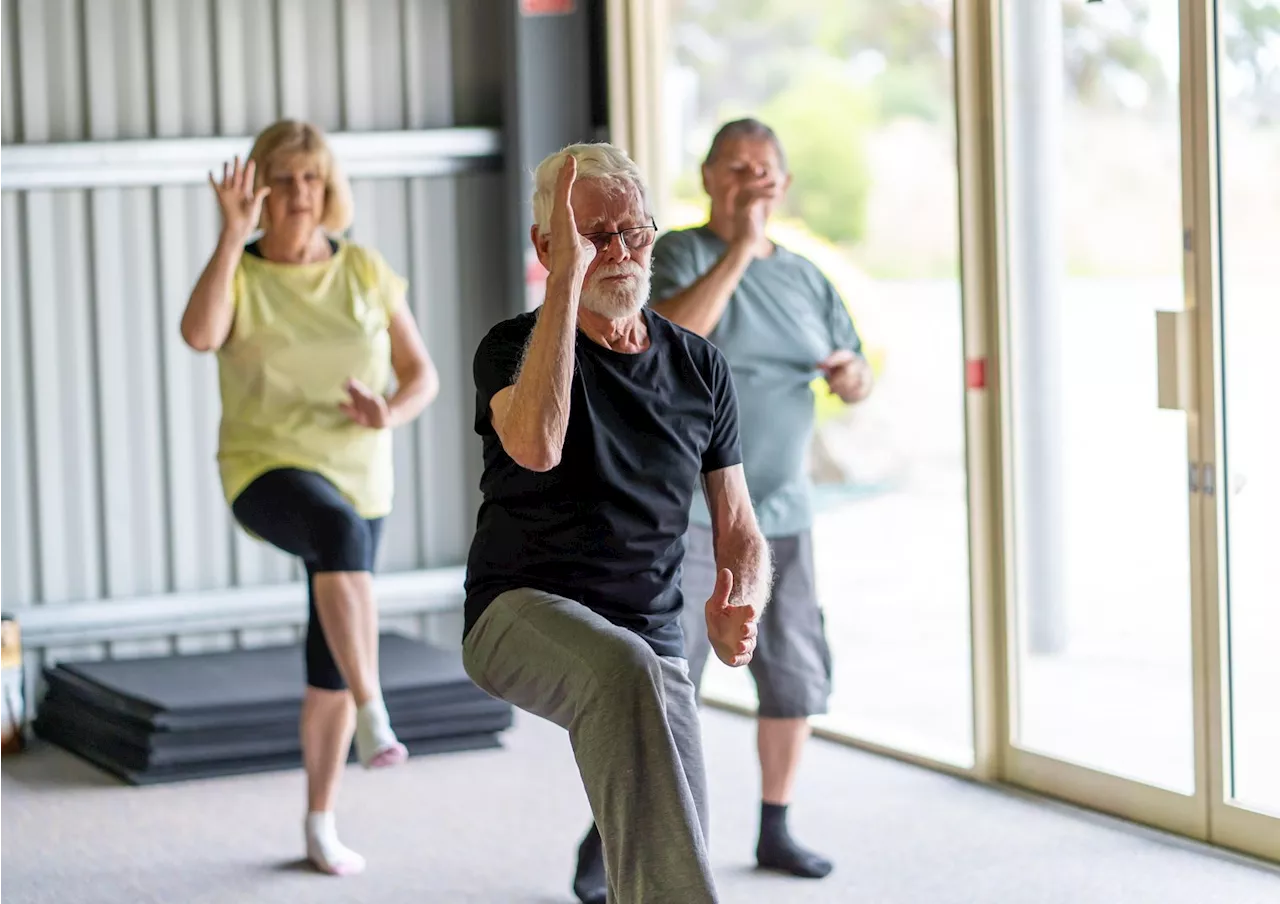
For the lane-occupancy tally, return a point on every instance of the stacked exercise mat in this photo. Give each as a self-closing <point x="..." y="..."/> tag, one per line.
<point x="183" y="717"/>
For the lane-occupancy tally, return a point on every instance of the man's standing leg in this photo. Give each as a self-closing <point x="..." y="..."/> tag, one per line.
<point x="697" y="584"/>
<point x="792" y="669"/>
<point x="628" y="724"/>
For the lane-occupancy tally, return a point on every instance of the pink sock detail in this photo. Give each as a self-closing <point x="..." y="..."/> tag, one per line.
<point x="389" y="756"/>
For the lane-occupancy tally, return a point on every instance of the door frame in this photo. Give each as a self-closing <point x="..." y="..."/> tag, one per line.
<point x="1229" y="824"/>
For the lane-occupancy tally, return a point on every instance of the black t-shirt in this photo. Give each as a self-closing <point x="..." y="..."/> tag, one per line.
<point x="605" y="527"/>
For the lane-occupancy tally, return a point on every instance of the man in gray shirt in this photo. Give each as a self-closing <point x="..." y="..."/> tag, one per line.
<point x="780" y="323"/>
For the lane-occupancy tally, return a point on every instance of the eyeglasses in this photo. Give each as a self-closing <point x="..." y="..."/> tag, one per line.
<point x="634" y="238"/>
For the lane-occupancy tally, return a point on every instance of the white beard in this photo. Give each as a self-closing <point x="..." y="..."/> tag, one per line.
<point x="617" y="301"/>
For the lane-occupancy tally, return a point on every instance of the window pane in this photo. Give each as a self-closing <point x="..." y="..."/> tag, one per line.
<point x="1249" y="145"/>
<point x="862" y="96"/>
<point x="1100" y="485"/>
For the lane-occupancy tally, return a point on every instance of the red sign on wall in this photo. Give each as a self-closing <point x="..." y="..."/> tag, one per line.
<point x="547" y="7"/>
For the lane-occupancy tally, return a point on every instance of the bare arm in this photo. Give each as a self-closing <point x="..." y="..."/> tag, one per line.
<point x="206" y="322"/>
<point x="417" y="383"/>
<point x="700" y="306"/>
<point x="531" y="416"/>
<point x="739" y="545"/>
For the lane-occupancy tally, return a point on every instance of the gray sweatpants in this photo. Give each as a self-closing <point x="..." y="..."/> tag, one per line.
<point x="633" y="724"/>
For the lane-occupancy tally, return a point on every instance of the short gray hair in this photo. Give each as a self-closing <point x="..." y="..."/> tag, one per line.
<point x="749" y="128"/>
<point x="599" y="161"/>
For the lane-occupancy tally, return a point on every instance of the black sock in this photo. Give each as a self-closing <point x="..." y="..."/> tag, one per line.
<point x="589" y="883"/>
<point x="778" y="850"/>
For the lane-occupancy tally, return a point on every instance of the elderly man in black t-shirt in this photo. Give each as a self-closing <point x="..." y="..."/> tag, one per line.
<point x="599" y="418"/>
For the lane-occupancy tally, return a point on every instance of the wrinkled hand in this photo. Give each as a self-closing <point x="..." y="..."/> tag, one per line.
<point x="749" y="203"/>
<point x="848" y="374"/>
<point x="240" y="204"/>
<point x="570" y="252"/>
<point x="366" y="408"/>
<point x="731" y="629"/>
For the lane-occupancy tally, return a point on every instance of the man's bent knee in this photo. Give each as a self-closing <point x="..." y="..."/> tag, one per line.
<point x="625" y="667"/>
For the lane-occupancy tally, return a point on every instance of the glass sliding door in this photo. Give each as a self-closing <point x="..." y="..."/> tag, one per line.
<point x="1248" y="145"/>
<point x="862" y="96"/>
<point x="1102" y="698"/>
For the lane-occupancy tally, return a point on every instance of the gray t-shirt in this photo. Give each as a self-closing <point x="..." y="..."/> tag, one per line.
<point x="782" y="319"/>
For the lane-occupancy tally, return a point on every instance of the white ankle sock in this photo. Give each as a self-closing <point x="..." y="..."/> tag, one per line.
<point x="375" y="740"/>
<point x="325" y="850"/>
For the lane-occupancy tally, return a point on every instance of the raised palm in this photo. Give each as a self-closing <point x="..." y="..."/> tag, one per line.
<point x="241" y="206"/>
<point x="570" y="252"/>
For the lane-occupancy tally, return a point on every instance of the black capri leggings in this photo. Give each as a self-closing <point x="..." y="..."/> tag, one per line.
<point x="303" y="514"/>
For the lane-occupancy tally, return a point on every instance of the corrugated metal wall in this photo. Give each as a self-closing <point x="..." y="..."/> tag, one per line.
<point x="109" y="487"/>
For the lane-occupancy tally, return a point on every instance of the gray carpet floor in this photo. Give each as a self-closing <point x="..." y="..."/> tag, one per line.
<point x="502" y="826"/>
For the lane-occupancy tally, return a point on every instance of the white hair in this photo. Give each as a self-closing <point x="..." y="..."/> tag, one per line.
<point x="600" y="161"/>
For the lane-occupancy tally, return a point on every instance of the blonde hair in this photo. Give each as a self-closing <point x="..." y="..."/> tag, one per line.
<point x="291" y="138"/>
<point x="599" y="161"/>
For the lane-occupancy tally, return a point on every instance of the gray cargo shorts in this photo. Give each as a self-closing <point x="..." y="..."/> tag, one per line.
<point x="792" y="662"/>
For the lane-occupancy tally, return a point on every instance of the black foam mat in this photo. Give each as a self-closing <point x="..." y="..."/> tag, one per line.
<point x="251" y="677"/>
<point x="407" y="703"/>
<point x="102" y="759"/>
<point x="79" y="732"/>
<point x="74" y="709"/>
<point x="210" y="689"/>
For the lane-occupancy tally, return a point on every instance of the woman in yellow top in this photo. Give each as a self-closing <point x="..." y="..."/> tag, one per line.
<point x="309" y="329"/>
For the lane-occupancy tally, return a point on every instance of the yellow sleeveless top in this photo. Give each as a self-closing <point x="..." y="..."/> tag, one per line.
<point x="300" y="332"/>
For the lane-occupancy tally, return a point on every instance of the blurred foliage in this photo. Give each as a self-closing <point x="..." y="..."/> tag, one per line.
<point x="826" y="153"/>
<point x="828" y="73"/>
<point x="1251" y="41"/>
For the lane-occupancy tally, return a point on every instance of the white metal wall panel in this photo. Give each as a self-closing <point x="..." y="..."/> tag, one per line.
<point x="444" y="449"/>
<point x="199" y="531"/>
<point x="116" y="55"/>
<point x="8" y="74"/>
<point x="109" y="483"/>
<point x="63" y="359"/>
<point x="428" y="53"/>
<point x="17" y="572"/>
<point x="373" y="65"/>
<point x="308" y="50"/>
<point x="127" y="338"/>
<point x="182" y="57"/>
<point x="50" y="74"/>
<point x="246" y="85"/>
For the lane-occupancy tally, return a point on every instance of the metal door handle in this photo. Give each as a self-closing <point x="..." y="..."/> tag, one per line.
<point x="1174" y="387"/>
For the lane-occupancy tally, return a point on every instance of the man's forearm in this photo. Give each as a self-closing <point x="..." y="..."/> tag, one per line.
<point x="539" y="414"/>
<point x="746" y="554"/>
<point x="700" y="306"/>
